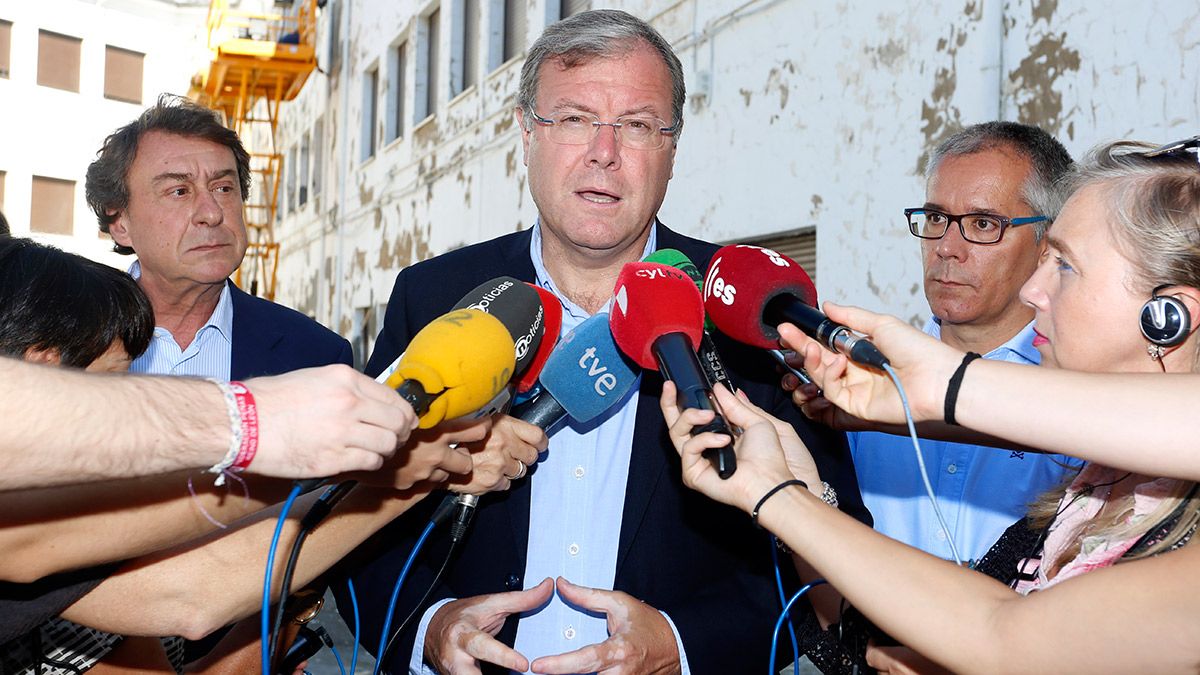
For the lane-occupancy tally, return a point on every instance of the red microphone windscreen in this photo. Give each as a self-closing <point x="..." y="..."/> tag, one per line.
<point x="552" y="321"/>
<point x="741" y="280"/>
<point x="651" y="301"/>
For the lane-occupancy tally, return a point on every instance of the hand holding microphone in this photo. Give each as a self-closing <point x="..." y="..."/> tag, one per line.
<point x="657" y="320"/>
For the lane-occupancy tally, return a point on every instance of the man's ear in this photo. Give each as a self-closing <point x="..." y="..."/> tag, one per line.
<point x="118" y="229"/>
<point x="48" y="356"/>
<point x="519" y="116"/>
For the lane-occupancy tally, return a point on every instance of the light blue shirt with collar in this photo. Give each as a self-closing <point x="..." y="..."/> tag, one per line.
<point x="575" y="512"/>
<point x="981" y="490"/>
<point x="209" y="354"/>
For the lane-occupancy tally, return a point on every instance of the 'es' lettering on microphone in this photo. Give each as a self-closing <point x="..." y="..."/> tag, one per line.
<point x="606" y="381"/>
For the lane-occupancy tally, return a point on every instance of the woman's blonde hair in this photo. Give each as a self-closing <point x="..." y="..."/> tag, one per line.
<point x="1153" y="206"/>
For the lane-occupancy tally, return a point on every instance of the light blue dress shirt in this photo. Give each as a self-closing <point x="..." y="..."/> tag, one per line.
<point x="209" y="354"/>
<point x="575" y="512"/>
<point x="981" y="490"/>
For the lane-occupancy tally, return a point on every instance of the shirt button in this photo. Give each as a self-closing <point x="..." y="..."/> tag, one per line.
<point x="579" y="472"/>
<point x="953" y="468"/>
<point x="513" y="582"/>
<point x="573" y="549"/>
<point x="569" y="633"/>
<point x="941" y="535"/>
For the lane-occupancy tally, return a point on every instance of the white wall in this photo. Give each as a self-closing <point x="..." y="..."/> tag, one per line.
<point x="799" y="114"/>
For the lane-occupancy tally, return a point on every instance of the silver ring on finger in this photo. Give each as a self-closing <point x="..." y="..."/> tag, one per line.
<point x="521" y="471"/>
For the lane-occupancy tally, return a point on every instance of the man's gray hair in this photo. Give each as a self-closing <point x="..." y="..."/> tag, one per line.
<point x="1050" y="162"/>
<point x="600" y="33"/>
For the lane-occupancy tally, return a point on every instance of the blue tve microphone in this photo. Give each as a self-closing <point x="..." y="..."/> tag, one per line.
<point x="585" y="375"/>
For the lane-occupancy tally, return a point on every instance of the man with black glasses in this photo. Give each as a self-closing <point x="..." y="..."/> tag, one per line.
<point x="990" y="197"/>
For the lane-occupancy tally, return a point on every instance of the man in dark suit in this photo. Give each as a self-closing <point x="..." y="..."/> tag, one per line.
<point x="651" y="577"/>
<point x="169" y="186"/>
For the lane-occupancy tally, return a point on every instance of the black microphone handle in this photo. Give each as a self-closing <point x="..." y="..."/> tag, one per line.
<point x="710" y="361"/>
<point x="679" y="364"/>
<point x="544" y="411"/>
<point x="813" y="322"/>
<point x="414" y="392"/>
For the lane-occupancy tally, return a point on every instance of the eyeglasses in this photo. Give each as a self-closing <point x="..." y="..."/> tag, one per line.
<point x="977" y="228"/>
<point x="636" y="132"/>
<point x="1178" y="149"/>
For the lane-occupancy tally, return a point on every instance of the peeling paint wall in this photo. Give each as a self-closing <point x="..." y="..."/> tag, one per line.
<point x="800" y="114"/>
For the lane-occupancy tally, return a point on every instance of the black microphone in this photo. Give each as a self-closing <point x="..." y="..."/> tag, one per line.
<point x="815" y="324"/>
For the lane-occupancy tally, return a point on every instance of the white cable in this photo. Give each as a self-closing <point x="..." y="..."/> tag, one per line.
<point x="912" y="432"/>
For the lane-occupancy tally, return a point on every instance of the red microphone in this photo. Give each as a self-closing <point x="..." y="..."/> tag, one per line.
<point x="552" y="322"/>
<point x="657" y="320"/>
<point x="749" y="291"/>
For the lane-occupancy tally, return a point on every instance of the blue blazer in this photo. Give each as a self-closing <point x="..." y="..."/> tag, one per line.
<point x="270" y="339"/>
<point x="699" y="561"/>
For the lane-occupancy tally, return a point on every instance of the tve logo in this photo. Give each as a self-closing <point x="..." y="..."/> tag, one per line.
<point x="606" y="381"/>
<point x="715" y="286"/>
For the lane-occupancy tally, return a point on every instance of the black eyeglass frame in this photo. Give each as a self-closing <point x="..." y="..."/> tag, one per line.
<point x="1183" y="148"/>
<point x="952" y="218"/>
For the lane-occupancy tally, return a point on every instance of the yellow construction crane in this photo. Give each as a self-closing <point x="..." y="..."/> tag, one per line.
<point x="258" y="61"/>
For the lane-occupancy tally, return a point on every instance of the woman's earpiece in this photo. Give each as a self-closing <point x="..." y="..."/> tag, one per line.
<point x="1165" y="320"/>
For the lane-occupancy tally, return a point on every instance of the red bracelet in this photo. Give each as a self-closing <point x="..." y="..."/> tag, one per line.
<point x="248" y="411"/>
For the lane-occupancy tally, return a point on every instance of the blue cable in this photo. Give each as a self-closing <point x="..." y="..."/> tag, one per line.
<point x="387" y="622"/>
<point x="338" y="658"/>
<point x="784" y="615"/>
<point x="266" y="599"/>
<point x="912" y="432"/>
<point x="354" y="605"/>
<point x="782" y="600"/>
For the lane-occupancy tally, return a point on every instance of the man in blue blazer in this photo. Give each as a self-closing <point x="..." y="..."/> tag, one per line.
<point x="170" y="187"/>
<point x="650" y="577"/>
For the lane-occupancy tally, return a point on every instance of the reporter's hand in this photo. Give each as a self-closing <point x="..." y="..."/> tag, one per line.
<point x="499" y="458"/>
<point x="761" y="461"/>
<point x="812" y="402"/>
<point x="461" y="633"/>
<point x="320" y="422"/>
<point x="640" y="641"/>
<point x="923" y="363"/>
<point x="431" y="455"/>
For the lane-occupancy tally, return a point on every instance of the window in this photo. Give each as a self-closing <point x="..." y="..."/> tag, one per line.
<point x="52" y="206"/>
<point x="318" y="170"/>
<point x="369" y="111"/>
<point x="304" y="171"/>
<point x="432" y="66"/>
<point x="571" y="7"/>
<point x="514" y="28"/>
<point x="397" y="77"/>
<point x="468" y="52"/>
<point x="58" y="61"/>
<point x="5" y="46"/>
<point x="335" y="35"/>
<point x="123" y="74"/>
<point x="290" y="161"/>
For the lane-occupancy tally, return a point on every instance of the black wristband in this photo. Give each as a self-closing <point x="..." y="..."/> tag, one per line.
<point x="772" y="491"/>
<point x="956" y="382"/>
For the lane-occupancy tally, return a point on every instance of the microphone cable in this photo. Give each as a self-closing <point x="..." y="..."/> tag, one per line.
<point x="357" y="624"/>
<point x="428" y="591"/>
<point x="912" y="432"/>
<point x="774" y="542"/>
<point x="265" y="615"/>
<point x="785" y="615"/>
<point x="316" y="514"/>
<point x="442" y="512"/>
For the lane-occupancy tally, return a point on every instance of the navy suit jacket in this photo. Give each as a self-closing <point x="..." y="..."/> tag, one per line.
<point x="270" y="339"/>
<point x="699" y="561"/>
